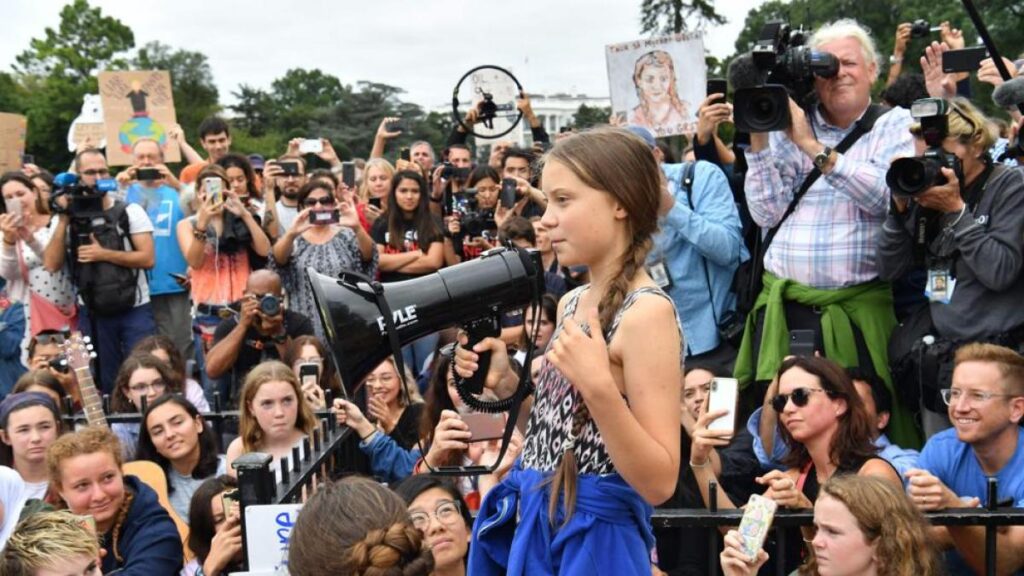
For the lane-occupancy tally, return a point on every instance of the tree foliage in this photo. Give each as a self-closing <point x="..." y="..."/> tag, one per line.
<point x="674" y="16"/>
<point x="587" y="116"/>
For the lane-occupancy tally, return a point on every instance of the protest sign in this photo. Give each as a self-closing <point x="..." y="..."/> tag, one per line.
<point x="136" y="105"/>
<point x="658" y="83"/>
<point x="268" y="531"/>
<point x="87" y="129"/>
<point x="12" y="140"/>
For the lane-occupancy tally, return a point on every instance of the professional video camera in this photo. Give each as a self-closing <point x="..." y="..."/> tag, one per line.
<point x="473" y="221"/>
<point x="911" y="176"/>
<point x="82" y="199"/>
<point x="782" y="67"/>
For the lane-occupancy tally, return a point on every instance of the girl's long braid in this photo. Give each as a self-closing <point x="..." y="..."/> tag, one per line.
<point x="122" y="514"/>
<point x="567" y="470"/>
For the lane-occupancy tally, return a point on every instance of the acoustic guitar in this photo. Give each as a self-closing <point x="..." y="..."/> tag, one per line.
<point x="78" y="352"/>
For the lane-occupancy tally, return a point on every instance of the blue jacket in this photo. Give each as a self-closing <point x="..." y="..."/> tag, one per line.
<point x="609" y="533"/>
<point x="12" y="331"/>
<point x="148" y="541"/>
<point x="389" y="462"/>
<point x="686" y="239"/>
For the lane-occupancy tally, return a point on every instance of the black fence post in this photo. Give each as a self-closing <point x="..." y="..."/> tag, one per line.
<point x="990" y="530"/>
<point x="255" y="486"/>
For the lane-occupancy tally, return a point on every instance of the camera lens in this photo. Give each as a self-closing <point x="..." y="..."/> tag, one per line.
<point x="270" y="305"/>
<point x="910" y="176"/>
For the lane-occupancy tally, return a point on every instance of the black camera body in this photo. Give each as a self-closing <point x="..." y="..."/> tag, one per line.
<point x="450" y="172"/>
<point x="912" y="176"/>
<point x="473" y="221"/>
<point x="786" y="68"/>
<point x="922" y="29"/>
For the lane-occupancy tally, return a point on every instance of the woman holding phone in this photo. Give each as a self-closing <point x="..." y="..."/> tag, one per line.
<point x="307" y="356"/>
<point x="27" y="225"/>
<point x="373" y="191"/>
<point x="220" y="243"/>
<point x="326" y="236"/>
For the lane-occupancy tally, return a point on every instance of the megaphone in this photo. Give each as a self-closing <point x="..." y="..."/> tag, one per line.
<point x="354" y="310"/>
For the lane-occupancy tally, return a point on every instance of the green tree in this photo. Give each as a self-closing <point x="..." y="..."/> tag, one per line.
<point x="195" y="94"/>
<point x="58" y="69"/>
<point x="587" y="116"/>
<point x="673" y="16"/>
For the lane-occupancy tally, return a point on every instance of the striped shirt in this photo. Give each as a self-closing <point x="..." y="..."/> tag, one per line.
<point x="830" y="239"/>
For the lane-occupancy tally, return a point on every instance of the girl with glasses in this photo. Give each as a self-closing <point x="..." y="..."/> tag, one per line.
<point x="141" y="377"/>
<point x="437" y="510"/>
<point x="827" y="432"/>
<point x="327" y="236"/>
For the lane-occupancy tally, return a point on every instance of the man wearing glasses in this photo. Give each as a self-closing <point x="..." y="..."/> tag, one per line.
<point x="986" y="404"/>
<point x="115" y="307"/>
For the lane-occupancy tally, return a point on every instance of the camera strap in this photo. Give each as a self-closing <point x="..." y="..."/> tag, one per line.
<point x="860" y="128"/>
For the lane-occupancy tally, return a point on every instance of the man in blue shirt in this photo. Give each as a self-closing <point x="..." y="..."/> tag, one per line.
<point x="986" y="404"/>
<point x="696" y="251"/>
<point x="153" y="187"/>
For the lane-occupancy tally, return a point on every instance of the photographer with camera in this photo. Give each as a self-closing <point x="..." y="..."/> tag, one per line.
<point x="824" y="209"/>
<point x="471" y="227"/>
<point x="907" y="31"/>
<point x="262" y="330"/>
<point x="151" y="185"/>
<point x="46" y="353"/>
<point x="960" y="216"/>
<point x="450" y="177"/>
<point x="517" y="164"/>
<point x="108" y="244"/>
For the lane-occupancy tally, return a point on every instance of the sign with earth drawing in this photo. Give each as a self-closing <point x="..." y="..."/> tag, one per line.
<point x="137" y="105"/>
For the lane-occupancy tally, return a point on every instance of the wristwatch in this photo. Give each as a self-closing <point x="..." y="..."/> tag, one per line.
<point x="821" y="158"/>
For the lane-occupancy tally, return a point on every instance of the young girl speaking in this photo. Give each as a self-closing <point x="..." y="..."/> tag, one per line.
<point x="602" y="440"/>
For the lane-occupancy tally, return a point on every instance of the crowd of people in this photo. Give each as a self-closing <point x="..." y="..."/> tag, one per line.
<point x="662" y="277"/>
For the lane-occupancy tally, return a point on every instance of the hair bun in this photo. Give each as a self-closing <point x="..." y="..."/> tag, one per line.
<point x="385" y="552"/>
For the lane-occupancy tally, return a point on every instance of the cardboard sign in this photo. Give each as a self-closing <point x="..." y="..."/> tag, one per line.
<point x="137" y="105"/>
<point x="13" y="128"/>
<point x="268" y="530"/>
<point x="658" y="83"/>
<point x="91" y="134"/>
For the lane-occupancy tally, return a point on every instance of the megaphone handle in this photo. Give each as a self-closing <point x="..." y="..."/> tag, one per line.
<point x="477" y="330"/>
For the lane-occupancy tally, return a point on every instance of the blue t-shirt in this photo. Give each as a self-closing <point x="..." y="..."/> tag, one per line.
<point x="954" y="463"/>
<point x="164" y="210"/>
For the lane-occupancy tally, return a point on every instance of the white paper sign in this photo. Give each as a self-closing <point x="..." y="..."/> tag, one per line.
<point x="658" y="83"/>
<point x="268" y="530"/>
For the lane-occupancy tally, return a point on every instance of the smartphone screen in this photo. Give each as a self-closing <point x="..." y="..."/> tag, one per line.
<point x="309" y="373"/>
<point x="348" y="174"/>
<point x="147" y="174"/>
<point x="404" y="154"/>
<point x="484" y="426"/>
<point x="723" y="395"/>
<point x="324" y="217"/>
<point x="802" y="342"/>
<point x="508" y="193"/>
<point x="375" y="202"/>
<point x="13" y="207"/>
<point x="718" y="86"/>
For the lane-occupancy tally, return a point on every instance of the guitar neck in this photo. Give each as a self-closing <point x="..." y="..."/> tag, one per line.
<point x="92" y="402"/>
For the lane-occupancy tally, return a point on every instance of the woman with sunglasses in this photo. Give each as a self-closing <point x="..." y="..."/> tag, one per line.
<point x="326" y="236"/>
<point x="827" y="432"/>
<point x="142" y="379"/>
<point x="222" y="244"/>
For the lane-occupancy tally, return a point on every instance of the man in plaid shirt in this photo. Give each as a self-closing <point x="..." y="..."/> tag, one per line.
<point x="820" y="269"/>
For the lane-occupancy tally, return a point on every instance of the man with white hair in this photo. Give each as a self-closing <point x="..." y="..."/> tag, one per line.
<point x="820" y="269"/>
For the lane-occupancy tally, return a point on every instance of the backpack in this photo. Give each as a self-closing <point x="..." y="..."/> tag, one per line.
<point x="106" y="289"/>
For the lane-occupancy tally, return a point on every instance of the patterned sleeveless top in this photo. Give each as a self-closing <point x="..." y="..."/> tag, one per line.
<point x="549" y="431"/>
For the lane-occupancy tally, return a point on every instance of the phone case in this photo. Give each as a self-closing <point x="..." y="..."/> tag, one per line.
<point x="757" y="520"/>
<point x="484" y="426"/>
<point x="724" y="392"/>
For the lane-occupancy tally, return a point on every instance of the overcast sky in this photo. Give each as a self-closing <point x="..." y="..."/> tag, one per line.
<point x="423" y="47"/>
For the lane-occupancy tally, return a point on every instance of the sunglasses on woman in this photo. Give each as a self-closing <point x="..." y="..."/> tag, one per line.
<point x="325" y="201"/>
<point x="799" y="396"/>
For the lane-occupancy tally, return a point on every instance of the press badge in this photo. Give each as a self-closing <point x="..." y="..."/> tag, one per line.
<point x="659" y="273"/>
<point x="940" y="286"/>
